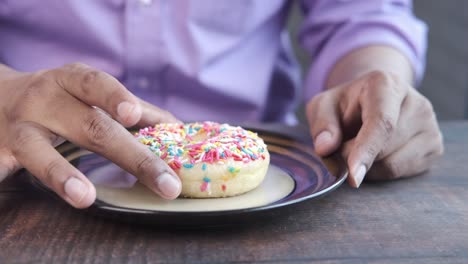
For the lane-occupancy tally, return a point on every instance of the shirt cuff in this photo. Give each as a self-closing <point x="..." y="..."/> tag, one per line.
<point x="352" y="37"/>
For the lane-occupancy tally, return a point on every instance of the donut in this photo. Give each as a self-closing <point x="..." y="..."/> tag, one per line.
<point x="213" y="160"/>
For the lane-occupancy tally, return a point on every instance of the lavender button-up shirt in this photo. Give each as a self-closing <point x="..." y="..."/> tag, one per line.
<point x="220" y="60"/>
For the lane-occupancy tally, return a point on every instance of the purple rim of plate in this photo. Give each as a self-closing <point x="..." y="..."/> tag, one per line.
<point x="312" y="178"/>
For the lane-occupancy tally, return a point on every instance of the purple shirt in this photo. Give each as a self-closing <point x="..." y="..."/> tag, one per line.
<point x="220" y="60"/>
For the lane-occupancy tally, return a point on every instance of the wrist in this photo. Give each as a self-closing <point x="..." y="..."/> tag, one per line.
<point x="372" y="58"/>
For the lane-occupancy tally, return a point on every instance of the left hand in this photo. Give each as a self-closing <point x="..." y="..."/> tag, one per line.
<point x="386" y="129"/>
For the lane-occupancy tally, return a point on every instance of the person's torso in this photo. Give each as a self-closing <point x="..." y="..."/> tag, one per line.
<point x="204" y="60"/>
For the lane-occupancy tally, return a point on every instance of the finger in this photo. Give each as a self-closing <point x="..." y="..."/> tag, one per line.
<point x="324" y="122"/>
<point x="412" y="159"/>
<point x="345" y="151"/>
<point x="381" y="98"/>
<point x="94" y="130"/>
<point x="154" y="115"/>
<point x="346" y="148"/>
<point x="97" y="88"/>
<point x="416" y="116"/>
<point x="411" y="126"/>
<point x="31" y="145"/>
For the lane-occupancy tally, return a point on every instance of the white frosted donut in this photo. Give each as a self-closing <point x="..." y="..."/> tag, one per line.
<point x="212" y="160"/>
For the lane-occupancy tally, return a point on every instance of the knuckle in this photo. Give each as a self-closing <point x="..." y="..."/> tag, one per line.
<point x="91" y="76"/>
<point x="316" y="104"/>
<point x="320" y="98"/>
<point x="145" y="164"/>
<point x="37" y="92"/>
<point x="51" y="171"/>
<point x="380" y="77"/>
<point x="386" y="123"/>
<point x="22" y="136"/>
<point x="98" y="129"/>
<point x="38" y="86"/>
<point x="386" y="80"/>
<point x="372" y="151"/>
<point x="426" y="109"/>
<point x="426" y="104"/>
<point x="90" y="79"/>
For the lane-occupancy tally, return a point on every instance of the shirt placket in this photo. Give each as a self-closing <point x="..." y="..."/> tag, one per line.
<point x="145" y="48"/>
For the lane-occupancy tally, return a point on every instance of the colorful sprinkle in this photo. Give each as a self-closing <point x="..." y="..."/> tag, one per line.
<point x="204" y="186"/>
<point x="234" y="170"/>
<point x="175" y="144"/>
<point x="188" y="165"/>
<point x="223" y="187"/>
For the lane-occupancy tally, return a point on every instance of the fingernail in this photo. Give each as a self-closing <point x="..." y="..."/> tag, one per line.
<point x="359" y="174"/>
<point x="75" y="189"/>
<point x="168" y="185"/>
<point x="127" y="113"/>
<point x="323" y="139"/>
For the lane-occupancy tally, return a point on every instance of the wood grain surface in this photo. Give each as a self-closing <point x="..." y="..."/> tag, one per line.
<point x="418" y="220"/>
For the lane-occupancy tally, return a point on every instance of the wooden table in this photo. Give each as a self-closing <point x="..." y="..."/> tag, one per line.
<point x="418" y="220"/>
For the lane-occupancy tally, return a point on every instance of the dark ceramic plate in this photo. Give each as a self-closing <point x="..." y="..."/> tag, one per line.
<point x="293" y="161"/>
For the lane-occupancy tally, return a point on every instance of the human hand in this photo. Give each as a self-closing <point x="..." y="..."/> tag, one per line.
<point x="87" y="107"/>
<point x="384" y="127"/>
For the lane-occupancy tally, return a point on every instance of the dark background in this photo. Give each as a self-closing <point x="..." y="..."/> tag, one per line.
<point x="446" y="80"/>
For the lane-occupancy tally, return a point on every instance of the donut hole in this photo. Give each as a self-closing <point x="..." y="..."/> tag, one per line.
<point x="200" y="137"/>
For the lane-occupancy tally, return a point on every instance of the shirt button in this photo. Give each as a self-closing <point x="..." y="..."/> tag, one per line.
<point x="146" y="2"/>
<point x="143" y="83"/>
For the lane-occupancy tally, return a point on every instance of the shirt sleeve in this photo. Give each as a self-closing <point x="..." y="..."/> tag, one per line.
<point x="333" y="28"/>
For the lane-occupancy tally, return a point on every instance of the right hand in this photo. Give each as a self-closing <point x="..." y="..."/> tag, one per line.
<point x="87" y="107"/>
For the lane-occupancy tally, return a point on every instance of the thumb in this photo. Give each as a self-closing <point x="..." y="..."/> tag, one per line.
<point x="324" y="122"/>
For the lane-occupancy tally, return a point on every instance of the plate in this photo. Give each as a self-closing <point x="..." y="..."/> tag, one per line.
<point x="295" y="174"/>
